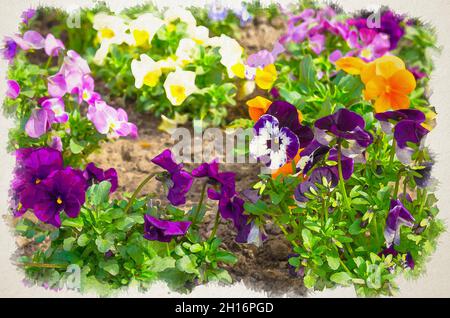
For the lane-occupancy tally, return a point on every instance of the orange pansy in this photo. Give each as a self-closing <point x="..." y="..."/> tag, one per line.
<point x="258" y="107"/>
<point x="288" y="169"/>
<point x="351" y="65"/>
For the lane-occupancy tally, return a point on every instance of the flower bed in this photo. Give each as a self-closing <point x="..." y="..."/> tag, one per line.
<point x="338" y="110"/>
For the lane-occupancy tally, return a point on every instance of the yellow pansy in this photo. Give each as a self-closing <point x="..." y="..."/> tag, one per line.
<point x="265" y="77"/>
<point x="179" y="85"/>
<point x="144" y="28"/>
<point x="146" y="71"/>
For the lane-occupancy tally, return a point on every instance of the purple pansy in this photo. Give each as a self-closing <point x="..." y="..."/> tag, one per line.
<point x="264" y="57"/>
<point x="62" y="190"/>
<point x="27" y="15"/>
<point x="409" y="131"/>
<point x="389" y="251"/>
<point x="178" y="181"/>
<point x="317" y="43"/>
<point x="278" y="135"/>
<point x="31" y="40"/>
<point x="398" y="216"/>
<point x="222" y="183"/>
<point x="409" y="261"/>
<point x="9" y="49"/>
<point x="56" y="143"/>
<point x="94" y="174"/>
<point x="33" y="165"/>
<point x="390" y="118"/>
<point x="242" y="13"/>
<point x="368" y="44"/>
<point x="52" y="45"/>
<point x="162" y="230"/>
<point x="13" y="90"/>
<point x="40" y="122"/>
<point x="347" y="125"/>
<point x="110" y="121"/>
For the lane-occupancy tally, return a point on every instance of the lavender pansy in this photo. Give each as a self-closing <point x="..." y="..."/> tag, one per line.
<point x="27" y="15"/>
<point x="9" y="49"/>
<point x="39" y="122"/>
<point x="94" y="174"/>
<point x="52" y="45"/>
<point x="398" y="216"/>
<point x="162" y="230"/>
<point x="13" y="89"/>
<point x="56" y="105"/>
<point x="177" y="180"/>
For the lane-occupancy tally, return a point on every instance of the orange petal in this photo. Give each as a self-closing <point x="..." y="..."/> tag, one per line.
<point x="300" y="115"/>
<point x="350" y="65"/>
<point x="368" y="72"/>
<point x="375" y="87"/>
<point x="288" y="169"/>
<point x="382" y="104"/>
<point x="403" y="82"/>
<point x="388" y="65"/>
<point x="399" y="101"/>
<point x="257" y="107"/>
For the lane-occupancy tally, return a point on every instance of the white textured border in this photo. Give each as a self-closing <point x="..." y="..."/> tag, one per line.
<point x="436" y="283"/>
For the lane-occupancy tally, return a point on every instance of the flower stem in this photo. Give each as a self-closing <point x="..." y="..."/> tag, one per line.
<point x="392" y="156"/>
<point x="341" y="179"/>
<point x="216" y="225"/>
<point x="397" y="185"/>
<point x="49" y="61"/>
<point x="43" y="265"/>
<point x="200" y="203"/>
<point x="138" y="190"/>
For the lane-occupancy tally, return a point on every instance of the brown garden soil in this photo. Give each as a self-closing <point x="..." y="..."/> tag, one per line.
<point x="262" y="268"/>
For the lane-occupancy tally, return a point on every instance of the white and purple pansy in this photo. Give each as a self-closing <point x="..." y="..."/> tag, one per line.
<point x="398" y="216"/>
<point x="278" y="135"/>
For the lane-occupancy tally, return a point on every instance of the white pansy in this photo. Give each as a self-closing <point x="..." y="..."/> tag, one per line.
<point x="111" y="30"/>
<point x="179" y="85"/>
<point x="183" y="15"/>
<point x="167" y="64"/>
<point x="144" y="28"/>
<point x="200" y="34"/>
<point x="230" y="51"/>
<point x="187" y="51"/>
<point x="146" y="71"/>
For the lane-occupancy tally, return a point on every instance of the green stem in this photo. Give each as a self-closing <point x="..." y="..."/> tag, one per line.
<point x="341" y="179"/>
<point x="138" y="190"/>
<point x="49" y="60"/>
<point x="216" y="225"/>
<point x="286" y="234"/>
<point x="200" y="203"/>
<point x="397" y="185"/>
<point x="43" y="265"/>
<point x="392" y="156"/>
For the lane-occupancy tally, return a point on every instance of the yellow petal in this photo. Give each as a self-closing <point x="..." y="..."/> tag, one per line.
<point x="368" y="72"/>
<point x="388" y="65"/>
<point x="258" y="107"/>
<point x="266" y="77"/>
<point x="382" y="104"/>
<point x="375" y="88"/>
<point x="351" y="65"/>
<point x="141" y="37"/>
<point x="152" y="78"/>
<point x="238" y="70"/>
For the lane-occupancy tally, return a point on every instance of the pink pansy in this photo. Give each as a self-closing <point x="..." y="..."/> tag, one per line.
<point x="30" y="40"/>
<point x="86" y="91"/>
<point x="317" y="43"/>
<point x="13" y="89"/>
<point x="55" y="143"/>
<point x="56" y="105"/>
<point x="110" y="121"/>
<point x="39" y="122"/>
<point x="74" y="62"/>
<point x="368" y="44"/>
<point x="334" y="56"/>
<point x="52" y="45"/>
<point x="56" y="85"/>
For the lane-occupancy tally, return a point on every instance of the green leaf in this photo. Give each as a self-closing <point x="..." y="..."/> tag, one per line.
<point x="75" y="147"/>
<point x="226" y="257"/>
<point x="83" y="240"/>
<point x="136" y="253"/>
<point x="187" y="265"/>
<point x="307" y="72"/>
<point x="68" y="243"/>
<point x="160" y="264"/>
<point x="309" y="281"/>
<point x="103" y="245"/>
<point x="333" y="262"/>
<point x="307" y="239"/>
<point x="75" y="222"/>
<point x="195" y="248"/>
<point x="341" y="278"/>
<point x="111" y="267"/>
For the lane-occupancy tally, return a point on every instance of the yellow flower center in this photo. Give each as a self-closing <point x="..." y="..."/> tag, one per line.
<point x="37" y="181"/>
<point x="141" y="37"/>
<point x="366" y="53"/>
<point x="170" y="27"/>
<point x="59" y="201"/>
<point x="19" y="206"/>
<point x="178" y="92"/>
<point x="152" y="78"/>
<point x="107" y="33"/>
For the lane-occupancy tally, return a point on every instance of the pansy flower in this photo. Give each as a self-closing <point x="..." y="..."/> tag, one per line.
<point x="398" y="216"/>
<point x="52" y="45"/>
<point x="178" y="181"/>
<point x="9" y="49"/>
<point x="27" y="15"/>
<point x="31" y="40"/>
<point x="386" y="80"/>
<point x="278" y="135"/>
<point x="389" y="119"/>
<point x="163" y="230"/>
<point x="345" y="125"/>
<point x="222" y="183"/>
<point x="257" y="107"/>
<point x="33" y="165"/>
<point x="94" y="174"/>
<point x="146" y="71"/>
<point x="13" y="89"/>
<point x="179" y="85"/>
<point x="408" y="131"/>
<point x="144" y="28"/>
<point x="110" y="121"/>
<point x="56" y="105"/>
<point x="368" y="44"/>
<point x="40" y="122"/>
<point x="63" y="190"/>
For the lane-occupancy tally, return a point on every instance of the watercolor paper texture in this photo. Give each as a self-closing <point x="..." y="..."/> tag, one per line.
<point x="117" y="91"/>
